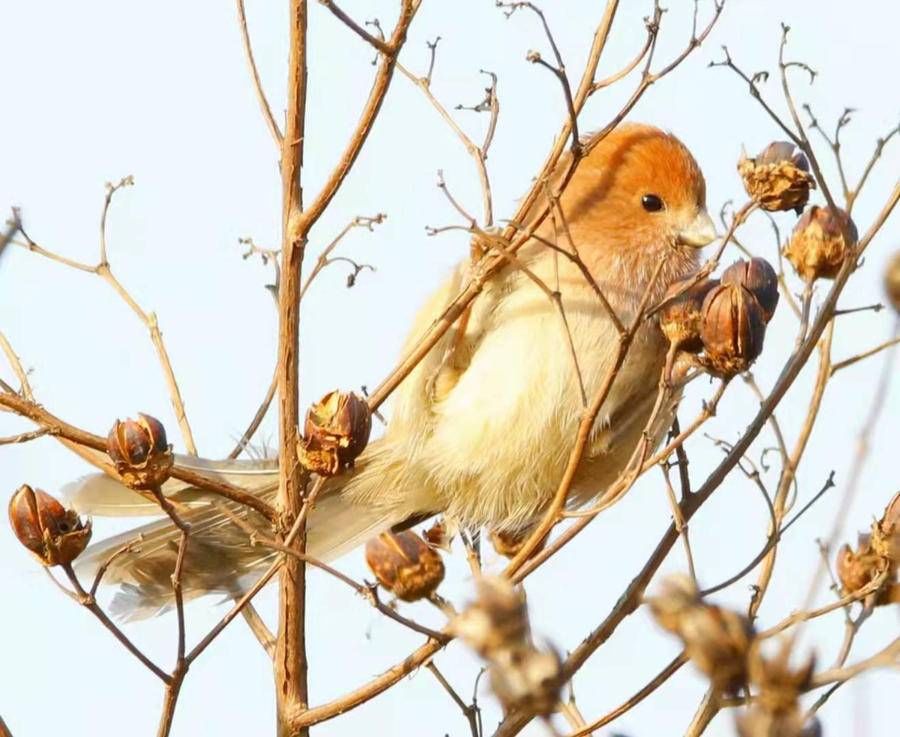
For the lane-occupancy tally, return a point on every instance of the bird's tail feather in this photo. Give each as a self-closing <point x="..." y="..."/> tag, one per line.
<point x="220" y="558"/>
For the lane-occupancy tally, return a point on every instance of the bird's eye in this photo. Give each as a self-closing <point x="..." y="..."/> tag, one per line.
<point x="652" y="203"/>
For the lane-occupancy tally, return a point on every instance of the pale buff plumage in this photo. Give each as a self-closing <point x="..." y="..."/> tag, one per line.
<point x="483" y="427"/>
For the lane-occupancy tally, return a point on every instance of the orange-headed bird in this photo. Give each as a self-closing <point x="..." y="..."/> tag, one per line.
<point x="482" y="428"/>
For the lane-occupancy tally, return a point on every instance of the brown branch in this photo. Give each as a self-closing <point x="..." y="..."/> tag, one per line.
<point x="378" y="43"/>
<point x="870" y="165"/>
<point x="57" y="427"/>
<point x="851" y="485"/>
<point x="369" y="593"/>
<point x="652" y="25"/>
<point x="234" y="611"/>
<point x="24" y="437"/>
<point x="244" y="600"/>
<point x="806" y="615"/>
<point x="258" y="627"/>
<point x="254" y="72"/>
<point x="478" y="154"/>
<point x="559" y="70"/>
<point x="291" y="689"/>
<point x="308" y="217"/>
<point x="103" y="270"/>
<point x="6" y="236"/>
<point x="323" y="261"/>
<point x="16" y="364"/>
<point x="658" y="680"/>
<point x="133" y="546"/>
<point x="173" y="687"/>
<point x="325" y="258"/>
<point x="790" y="466"/>
<point x="470" y="711"/>
<point x="260" y="415"/>
<point x="864" y="355"/>
<point x="88" y="602"/>
<point x="491" y="104"/>
<point x="290" y="656"/>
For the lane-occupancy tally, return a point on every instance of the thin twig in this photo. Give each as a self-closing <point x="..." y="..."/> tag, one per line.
<point x="470" y="711"/>
<point x="88" y="602"/>
<point x="254" y="72"/>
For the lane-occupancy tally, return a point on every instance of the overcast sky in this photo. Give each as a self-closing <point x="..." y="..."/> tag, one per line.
<point x="96" y="90"/>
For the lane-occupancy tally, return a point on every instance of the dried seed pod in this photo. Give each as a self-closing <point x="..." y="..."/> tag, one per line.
<point x="779" y="686"/>
<point x="676" y="596"/>
<point x="526" y="679"/>
<point x="871" y="561"/>
<point x="759" y="278"/>
<point x="140" y="452"/>
<point x="716" y="640"/>
<point x="496" y="620"/>
<point x="817" y="248"/>
<point x="54" y="534"/>
<point x="886" y="532"/>
<point x="732" y="328"/>
<point x="856" y="568"/>
<point x="336" y="431"/>
<point x="892" y="281"/>
<point x="680" y="319"/>
<point x="778" y="179"/>
<point x="405" y="564"/>
<point x="509" y="543"/>
<point x="495" y="625"/>
<point x="438" y="535"/>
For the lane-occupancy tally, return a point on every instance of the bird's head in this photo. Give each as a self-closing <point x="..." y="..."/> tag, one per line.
<point x="638" y="188"/>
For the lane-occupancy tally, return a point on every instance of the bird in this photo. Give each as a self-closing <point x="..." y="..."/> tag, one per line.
<point x="481" y="430"/>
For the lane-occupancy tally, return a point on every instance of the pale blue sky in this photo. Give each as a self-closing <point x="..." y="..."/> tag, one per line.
<point x="96" y="90"/>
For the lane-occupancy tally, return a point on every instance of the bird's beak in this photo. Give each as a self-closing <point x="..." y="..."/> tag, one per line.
<point x="699" y="232"/>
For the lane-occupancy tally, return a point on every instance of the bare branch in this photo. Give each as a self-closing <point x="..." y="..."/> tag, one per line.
<point x="254" y="72"/>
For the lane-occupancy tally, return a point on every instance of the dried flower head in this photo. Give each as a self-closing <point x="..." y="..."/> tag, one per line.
<point x="509" y="543"/>
<point x="858" y="568"/>
<point x="140" y="451"/>
<point x="496" y="620"/>
<point x="526" y="679"/>
<point x="405" y="564"/>
<point x="759" y="278"/>
<point x="676" y="596"/>
<point x="716" y="640"/>
<point x="680" y="318"/>
<point x="876" y="558"/>
<point x="776" y="711"/>
<point x="54" y="534"/>
<point x="336" y="431"/>
<point x="495" y="625"/>
<point x="892" y="281"/>
<point x="886" y="533"/>
<point x="817" y="248"/>
<point x="779" y="685"/>
<point x="733" y="327"/>
<point x="778" y="179"/>
<point x="439" y="535"/>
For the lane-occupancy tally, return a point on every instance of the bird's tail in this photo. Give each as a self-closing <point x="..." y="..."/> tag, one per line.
<point x="220" y="557"/>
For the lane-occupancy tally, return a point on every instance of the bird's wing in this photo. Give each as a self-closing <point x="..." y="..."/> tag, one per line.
<point x="439" y="371"/>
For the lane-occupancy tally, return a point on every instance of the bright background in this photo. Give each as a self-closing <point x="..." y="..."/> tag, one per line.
<point x="96" y="90"/>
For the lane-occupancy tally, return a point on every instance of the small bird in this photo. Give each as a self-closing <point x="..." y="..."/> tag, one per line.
<point x="482" y="428"/>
